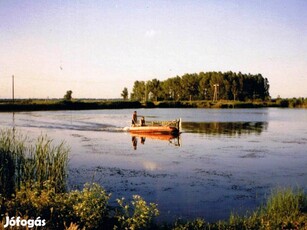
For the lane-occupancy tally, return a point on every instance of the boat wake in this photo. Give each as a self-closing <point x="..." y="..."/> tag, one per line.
<point x="77" y="126"/>
<point x="113" y="129"/>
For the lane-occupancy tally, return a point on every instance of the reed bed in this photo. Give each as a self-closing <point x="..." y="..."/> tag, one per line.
<point x="22" y="162"/>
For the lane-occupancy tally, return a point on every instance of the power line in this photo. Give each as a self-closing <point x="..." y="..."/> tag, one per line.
<point x="63" y="81"/>
<point x="56" y="80"/>
<point x="5" y="77"/>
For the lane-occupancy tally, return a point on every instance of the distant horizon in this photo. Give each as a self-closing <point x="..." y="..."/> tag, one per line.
<point x="121" y="99"/>
<point x="97" y="48"/>
<point x="60" y="98"/>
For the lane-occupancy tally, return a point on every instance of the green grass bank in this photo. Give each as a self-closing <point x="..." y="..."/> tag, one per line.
<point x="91" y="104"/>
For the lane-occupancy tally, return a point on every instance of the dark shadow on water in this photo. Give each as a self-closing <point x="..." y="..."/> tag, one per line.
<point x="225" y="128"/>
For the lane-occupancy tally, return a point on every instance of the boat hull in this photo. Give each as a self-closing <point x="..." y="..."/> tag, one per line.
<point x="154" y="129"/>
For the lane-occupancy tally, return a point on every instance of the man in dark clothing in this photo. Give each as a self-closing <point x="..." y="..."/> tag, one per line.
<point x="134" y="118"/>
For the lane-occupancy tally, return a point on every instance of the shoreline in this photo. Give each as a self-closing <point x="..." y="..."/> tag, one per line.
<point x="21" y="105"/>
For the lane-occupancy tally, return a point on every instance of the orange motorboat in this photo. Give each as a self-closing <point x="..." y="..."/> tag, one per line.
<point x="161" y="127"/>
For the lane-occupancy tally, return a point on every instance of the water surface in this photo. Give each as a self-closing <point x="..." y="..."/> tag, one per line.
<point x="224" y="160"/>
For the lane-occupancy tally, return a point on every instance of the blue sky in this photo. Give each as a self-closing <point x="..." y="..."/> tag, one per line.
<point x="96" y="48"/>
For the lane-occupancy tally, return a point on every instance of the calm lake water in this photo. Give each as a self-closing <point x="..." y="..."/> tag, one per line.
<point x="224" y="161"/>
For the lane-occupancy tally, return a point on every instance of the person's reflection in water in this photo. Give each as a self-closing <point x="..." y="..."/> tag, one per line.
<point x="143" y="140"/>
<point x="134" y="142"/>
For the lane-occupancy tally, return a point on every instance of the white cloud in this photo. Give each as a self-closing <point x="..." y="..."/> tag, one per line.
<point x="150" y="33"/>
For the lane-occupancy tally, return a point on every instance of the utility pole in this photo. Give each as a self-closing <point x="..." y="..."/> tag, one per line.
<point x="215" y="95"/>
<point x="13" y="93"/>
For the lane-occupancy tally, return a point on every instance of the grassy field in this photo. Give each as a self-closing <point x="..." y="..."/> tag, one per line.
<point x="54" y="104"/>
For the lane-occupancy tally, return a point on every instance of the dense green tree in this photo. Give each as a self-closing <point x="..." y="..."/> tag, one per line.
<point x="154" y="87"/>
<point x="231" y="86"/>
<point x="138" y="91"/>
<point x="266" y="87"/>
<point x="68" y="95"/>
<point x="172" y="88"/>
<point x="190" y="84"/>
<point x="204" y="86"/>
<point x="124" y="93"/>
<point x="235" y="88"/>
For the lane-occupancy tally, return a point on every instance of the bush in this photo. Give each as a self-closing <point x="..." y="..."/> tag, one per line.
<point x="197" y="224"/>
<point x="32" y="199"/>
<point x="89" y="206"/>
<point x="284" y="103"/>
<point x="139" y="216"/>
<point x="86" y="208"/>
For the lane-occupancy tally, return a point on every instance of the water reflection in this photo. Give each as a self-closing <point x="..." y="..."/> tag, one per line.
<point x="172" y="139"/>
<point x="225" y="128"/>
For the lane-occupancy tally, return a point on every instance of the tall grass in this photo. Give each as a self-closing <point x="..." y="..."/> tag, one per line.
<point x="47" y="162"/>
<point x="284" y="209"/>
<point x="12" y="149"/>
<point x="22" y="162"/>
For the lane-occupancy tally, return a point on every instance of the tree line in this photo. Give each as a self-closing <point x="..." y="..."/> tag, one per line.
<point x="202" y="86"/>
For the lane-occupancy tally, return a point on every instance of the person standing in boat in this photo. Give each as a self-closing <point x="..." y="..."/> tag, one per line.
<point x="134" y="118"/>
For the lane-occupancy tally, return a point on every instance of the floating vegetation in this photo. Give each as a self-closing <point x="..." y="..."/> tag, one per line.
<point x="33" y="184"/>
